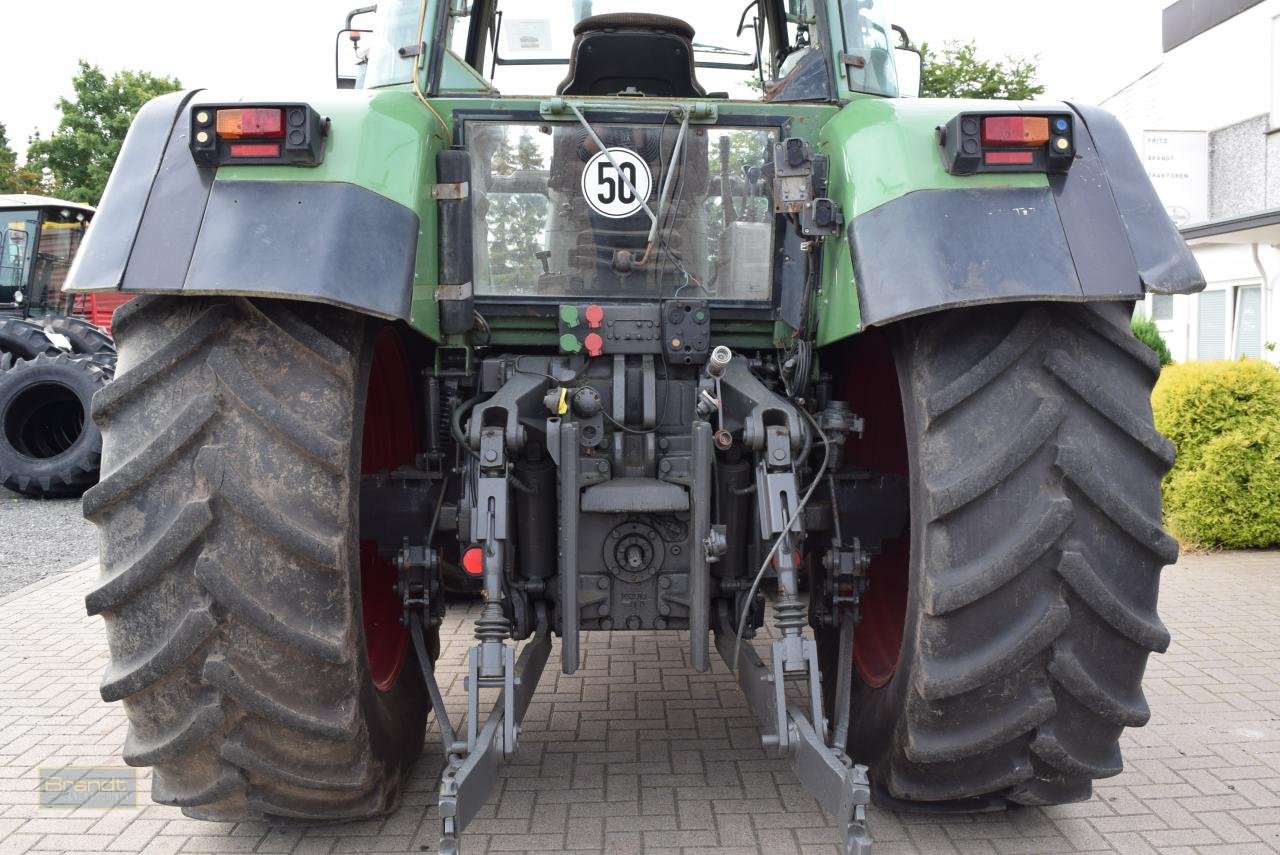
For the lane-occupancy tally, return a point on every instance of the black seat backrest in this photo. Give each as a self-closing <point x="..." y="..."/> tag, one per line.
<point x="632" y="52"/>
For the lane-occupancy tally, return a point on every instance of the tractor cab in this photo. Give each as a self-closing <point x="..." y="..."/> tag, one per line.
<point x="40" y="240"/>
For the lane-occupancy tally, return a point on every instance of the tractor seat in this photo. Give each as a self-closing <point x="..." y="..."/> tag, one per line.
<point x="632" y="53"/>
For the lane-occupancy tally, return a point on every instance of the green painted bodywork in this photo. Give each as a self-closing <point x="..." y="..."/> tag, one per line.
<point x="882" y="149"/>
<point x="386" y="141"/>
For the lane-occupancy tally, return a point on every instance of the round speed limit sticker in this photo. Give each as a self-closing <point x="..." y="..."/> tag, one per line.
<point x="606" y="191"/>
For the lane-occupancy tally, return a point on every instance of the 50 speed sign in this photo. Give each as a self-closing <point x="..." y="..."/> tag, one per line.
<point x="606" y="191"/>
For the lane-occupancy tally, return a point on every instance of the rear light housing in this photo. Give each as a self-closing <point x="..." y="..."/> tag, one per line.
<point x="1008" y="142"/>
<point x="226" y="134"/>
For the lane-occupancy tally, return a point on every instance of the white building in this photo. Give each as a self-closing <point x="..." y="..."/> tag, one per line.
<point x="1206" y="122"/>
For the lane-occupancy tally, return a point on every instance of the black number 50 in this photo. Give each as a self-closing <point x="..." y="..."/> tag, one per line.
<point x="612" y="188"/>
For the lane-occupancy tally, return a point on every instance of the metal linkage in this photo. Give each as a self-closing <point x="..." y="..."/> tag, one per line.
<point x="839" y="785"/>
<point x="470" y="775"/>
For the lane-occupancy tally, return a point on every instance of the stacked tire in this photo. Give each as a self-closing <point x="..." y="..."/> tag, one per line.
<point x="49" y="373"/>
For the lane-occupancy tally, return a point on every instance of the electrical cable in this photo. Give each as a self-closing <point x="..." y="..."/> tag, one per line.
<point x="764" y="566"/>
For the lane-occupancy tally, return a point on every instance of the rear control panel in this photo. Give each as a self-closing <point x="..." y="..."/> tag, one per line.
<point x="680" y="330"/>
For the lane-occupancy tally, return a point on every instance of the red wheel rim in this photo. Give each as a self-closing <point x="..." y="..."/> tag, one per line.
<point x="388" y="443"/>
<point x="873" y="392"/>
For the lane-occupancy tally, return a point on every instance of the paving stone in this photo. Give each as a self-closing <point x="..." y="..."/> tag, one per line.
<point x="636" y="753"/>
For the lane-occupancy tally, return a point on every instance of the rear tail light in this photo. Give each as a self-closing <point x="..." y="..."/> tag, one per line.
<point x="1015" y="130"/>
<point x="234" y="134"/>
<point x="1008" y="142"/>
<point x="251" y="123"/>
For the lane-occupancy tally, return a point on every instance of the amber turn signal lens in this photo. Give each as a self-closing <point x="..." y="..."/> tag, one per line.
<point x="1015" y="130"/>
<point x="262" y="123"/>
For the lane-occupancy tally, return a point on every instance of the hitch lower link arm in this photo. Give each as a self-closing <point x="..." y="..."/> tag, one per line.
<point x="821" y="765"/>
<point x="472" y="768"/>
<point x="839" y="785"/>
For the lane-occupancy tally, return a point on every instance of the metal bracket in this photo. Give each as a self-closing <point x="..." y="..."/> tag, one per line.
<point x="454" y="191"/>
<point x="700" y="112"/>
<point x="507" y="682"/>
<point x="777" y="492"/>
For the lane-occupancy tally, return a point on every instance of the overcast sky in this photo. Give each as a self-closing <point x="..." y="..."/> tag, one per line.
<point x="1088" y="49"/>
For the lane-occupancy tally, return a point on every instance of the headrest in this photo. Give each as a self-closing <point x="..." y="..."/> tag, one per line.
<point x="634" y="21"/>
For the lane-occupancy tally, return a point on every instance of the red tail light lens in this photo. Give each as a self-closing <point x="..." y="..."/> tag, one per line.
<point x="1015" y="130"/>
<point x="260" y="123"/>
<point x="254" y="149"/>
<point x="1010" y="158"/>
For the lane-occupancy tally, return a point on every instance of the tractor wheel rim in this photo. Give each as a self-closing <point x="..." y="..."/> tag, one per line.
<point x="877" y="639"/>
<point x="388" y="442"/>
<point x="877" y="643"/>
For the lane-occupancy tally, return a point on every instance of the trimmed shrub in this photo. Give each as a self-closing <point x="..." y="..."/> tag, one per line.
<point x="1233" y="497"/>
<point x="1224" y="419"/>
<point x="1146" y="332"/>
<point x="1195" y="402"/>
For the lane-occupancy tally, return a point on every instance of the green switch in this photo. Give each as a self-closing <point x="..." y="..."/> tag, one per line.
<point x="569" y="343"/>
<point x="569" y="316"/>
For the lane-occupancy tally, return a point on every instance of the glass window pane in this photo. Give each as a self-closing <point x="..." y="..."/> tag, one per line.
<point x="1249" y="322"/>
<point x="555" y="217"/>
<point x="868" y="47"/>
<point x="1211" y="333"/>
<point x="1162" y="307"/>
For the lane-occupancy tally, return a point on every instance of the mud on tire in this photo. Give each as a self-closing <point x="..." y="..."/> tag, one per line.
<point x="1035" y="553"/>
<point x="231" y="571"/>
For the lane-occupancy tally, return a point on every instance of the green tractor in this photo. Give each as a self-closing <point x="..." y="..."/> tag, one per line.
<point x="55" y="350"/>
<point x="713" y="334"/>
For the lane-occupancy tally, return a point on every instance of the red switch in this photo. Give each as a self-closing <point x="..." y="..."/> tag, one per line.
<point x="595" y="315"/>
<point x="595" y="344"/>
<point x="473" y="561"/>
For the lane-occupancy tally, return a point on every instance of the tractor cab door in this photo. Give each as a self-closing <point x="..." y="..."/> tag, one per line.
<point x="17" y="245"/>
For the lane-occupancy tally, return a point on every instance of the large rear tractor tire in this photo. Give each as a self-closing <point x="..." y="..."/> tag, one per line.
<point x="49" y="448"/>
<point x="1002" y="643"/>
<point x="260" y="660"/>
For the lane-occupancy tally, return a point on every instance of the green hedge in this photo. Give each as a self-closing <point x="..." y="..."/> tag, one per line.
<point x="1224" y="419"/>
<point x="1148" y="333"/>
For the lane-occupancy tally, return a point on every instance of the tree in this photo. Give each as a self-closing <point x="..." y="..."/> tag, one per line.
<point x="958" y="72"/>
<point x="14" y="178"/>
<point x="516" y="220"/>
<point x="82" y="150"/>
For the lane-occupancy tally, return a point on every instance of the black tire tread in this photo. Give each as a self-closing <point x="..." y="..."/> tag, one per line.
<point x="24" y="339"/>
<point x="73" y="471"/>
<point x="232" y="613"/>
<point x="1051" y="531"/>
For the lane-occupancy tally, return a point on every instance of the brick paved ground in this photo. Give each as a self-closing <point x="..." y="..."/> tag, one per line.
<point x="687" y="774"/>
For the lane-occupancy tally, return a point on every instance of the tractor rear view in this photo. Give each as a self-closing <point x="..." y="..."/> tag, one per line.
<point x="837" y="384"/>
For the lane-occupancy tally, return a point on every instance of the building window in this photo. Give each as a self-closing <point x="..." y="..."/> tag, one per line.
<point x="1211" y="325"/>
<point x="1161" y="307"/>
<point x="1248" y="324"/>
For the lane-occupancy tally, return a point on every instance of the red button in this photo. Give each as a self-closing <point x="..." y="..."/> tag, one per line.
<point x="595" y="344"/>
<point x="595" y="315"/>
<point x="473" y="561"/>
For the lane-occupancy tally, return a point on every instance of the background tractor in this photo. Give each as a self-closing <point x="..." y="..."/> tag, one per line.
<point x="55" y="350"/>
<point x="643" y="322"/>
